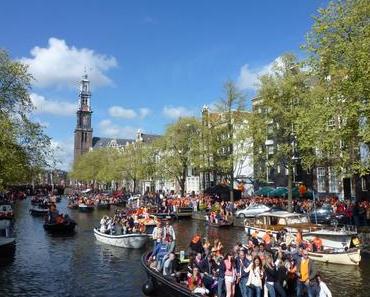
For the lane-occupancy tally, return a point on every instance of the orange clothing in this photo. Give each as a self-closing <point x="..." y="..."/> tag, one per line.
<point x="266" y="238"/>
<point x="304" y="271"/>
<point x="292" y="272"/>
<point x="298" y="238"/>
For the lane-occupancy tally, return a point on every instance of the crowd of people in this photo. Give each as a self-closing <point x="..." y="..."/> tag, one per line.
<point x="94" y="198"/>
<point x="124" y="222"/>
<point x="254" y="269"/>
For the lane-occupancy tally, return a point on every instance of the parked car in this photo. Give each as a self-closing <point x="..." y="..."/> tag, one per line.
<point x="325" y="215"/>
<point x="252" y="210"/>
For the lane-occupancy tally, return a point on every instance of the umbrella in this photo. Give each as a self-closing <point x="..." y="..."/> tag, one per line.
<point x="264" y="191"/>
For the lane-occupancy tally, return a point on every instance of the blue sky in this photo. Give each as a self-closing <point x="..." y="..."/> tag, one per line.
<point x="149" y="61"/>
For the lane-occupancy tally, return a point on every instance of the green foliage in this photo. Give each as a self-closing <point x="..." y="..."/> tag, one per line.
<point x="337" y="120"/>
<point x="275" y="116"/>
<point x="24" y="148"/>
<point x="178" y="149"/>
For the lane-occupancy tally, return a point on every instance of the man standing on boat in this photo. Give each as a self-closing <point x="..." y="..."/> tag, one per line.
<point x="157" y="234"/>
<point x="306" y="274"/>
<point x="241" y="265"/>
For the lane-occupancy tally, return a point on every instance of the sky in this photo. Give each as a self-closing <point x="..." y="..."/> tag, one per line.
<point x="149" y="62"/>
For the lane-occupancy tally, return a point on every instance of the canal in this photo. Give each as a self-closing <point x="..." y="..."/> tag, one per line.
<point x="80" y="266"/>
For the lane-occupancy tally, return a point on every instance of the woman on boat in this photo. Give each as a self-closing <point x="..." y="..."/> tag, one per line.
<point x="299" y="238"/>
<point x="230" y="275"/>
<point x="271" y="275"/>
<point x="196" y="245"/>
<point x="256" y="275"/>
<point x="195" y="282"/>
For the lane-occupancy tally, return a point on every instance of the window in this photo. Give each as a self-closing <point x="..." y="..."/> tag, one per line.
<point x="363" y="184"/>
<point x="333" y="182"/>
<point x="321" y="179"/>
<point x="270" y="149"/>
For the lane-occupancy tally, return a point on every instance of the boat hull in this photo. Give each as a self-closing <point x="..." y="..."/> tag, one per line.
<point x="334" y="240"/>
<point x="60" y="228"/>
<point x="103" y="206"/>
<point x="350" y="257"/>
<point x="131" y="241"/>
<point x="85" y="208"/>
<point x="7" y="247"/>
<point x="160" y="283"/>
<point x="221" y="225"/>
<point x="38" y="212"/>
<point x="184" y="212"/>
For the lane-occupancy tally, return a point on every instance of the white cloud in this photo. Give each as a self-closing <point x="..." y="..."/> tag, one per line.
<point x="174" y="112"/>
<point x="144" y="112"/>
<point x="62" y="65"/>
<point x="120" y="112"/>
<point x="63" y="153"/>
<point x="126" y="113"/>
<point x="109" y="129"/>
<point x="61" y="108"/>
<point x="248" y="77"/>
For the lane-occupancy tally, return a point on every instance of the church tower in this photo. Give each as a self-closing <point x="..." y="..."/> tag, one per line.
<point x="83" y="131"/>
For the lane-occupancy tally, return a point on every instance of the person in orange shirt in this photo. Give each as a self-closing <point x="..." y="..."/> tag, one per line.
<point x="299" y="238"/>
<point x="267" y="238"/>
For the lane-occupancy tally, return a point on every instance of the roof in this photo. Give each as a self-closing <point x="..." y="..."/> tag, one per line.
<point x="149" y="137"/>
<point x="280" y="214"/>
<point x="101" y="142"/>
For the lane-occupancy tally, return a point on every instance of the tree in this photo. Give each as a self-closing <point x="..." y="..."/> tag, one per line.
<point x="221" y="135"/>
<point x="132" y="163"/>
<point x="337" y="123"/>
<point x="24" y="148"/>
<point x="177" y="149"/>
<point x="89" y="167"/>
<point x="272" y="125"/>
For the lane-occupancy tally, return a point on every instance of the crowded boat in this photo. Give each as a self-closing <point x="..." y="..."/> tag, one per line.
<point x="57" y="223"/>
<point x="256" y="267"/>
<point x="126" y="231"/>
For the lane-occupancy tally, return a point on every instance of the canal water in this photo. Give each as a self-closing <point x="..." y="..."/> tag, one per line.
<point x="80" y="266"/>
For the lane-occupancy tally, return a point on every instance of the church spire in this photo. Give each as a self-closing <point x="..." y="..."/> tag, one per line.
<point x="85" y="94"/>
<point x="83" y="131"/>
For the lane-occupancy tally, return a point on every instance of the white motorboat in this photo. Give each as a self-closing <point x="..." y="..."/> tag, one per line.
<point x="336" y="238"/>
<point x="346" y="257"/>
<point x="86" y="208"/>
<point x="6" y="212"/>
<point x="7" y="241"/>
<point x="39" y="211"/>
<point x="131" y="241"/>
<point x="275" y="222"/>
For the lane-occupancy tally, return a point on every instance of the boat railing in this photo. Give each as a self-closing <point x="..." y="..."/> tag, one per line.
<point x="348" y="228"/>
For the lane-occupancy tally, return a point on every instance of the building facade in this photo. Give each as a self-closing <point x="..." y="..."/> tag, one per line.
<point x="243" y="160"/>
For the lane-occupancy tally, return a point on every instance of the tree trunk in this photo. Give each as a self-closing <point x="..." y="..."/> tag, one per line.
<point x="134" y="181"/>
<point x="290" y="186"/>
<point x="232" y="186"/>
<point x="182" y="188"/>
